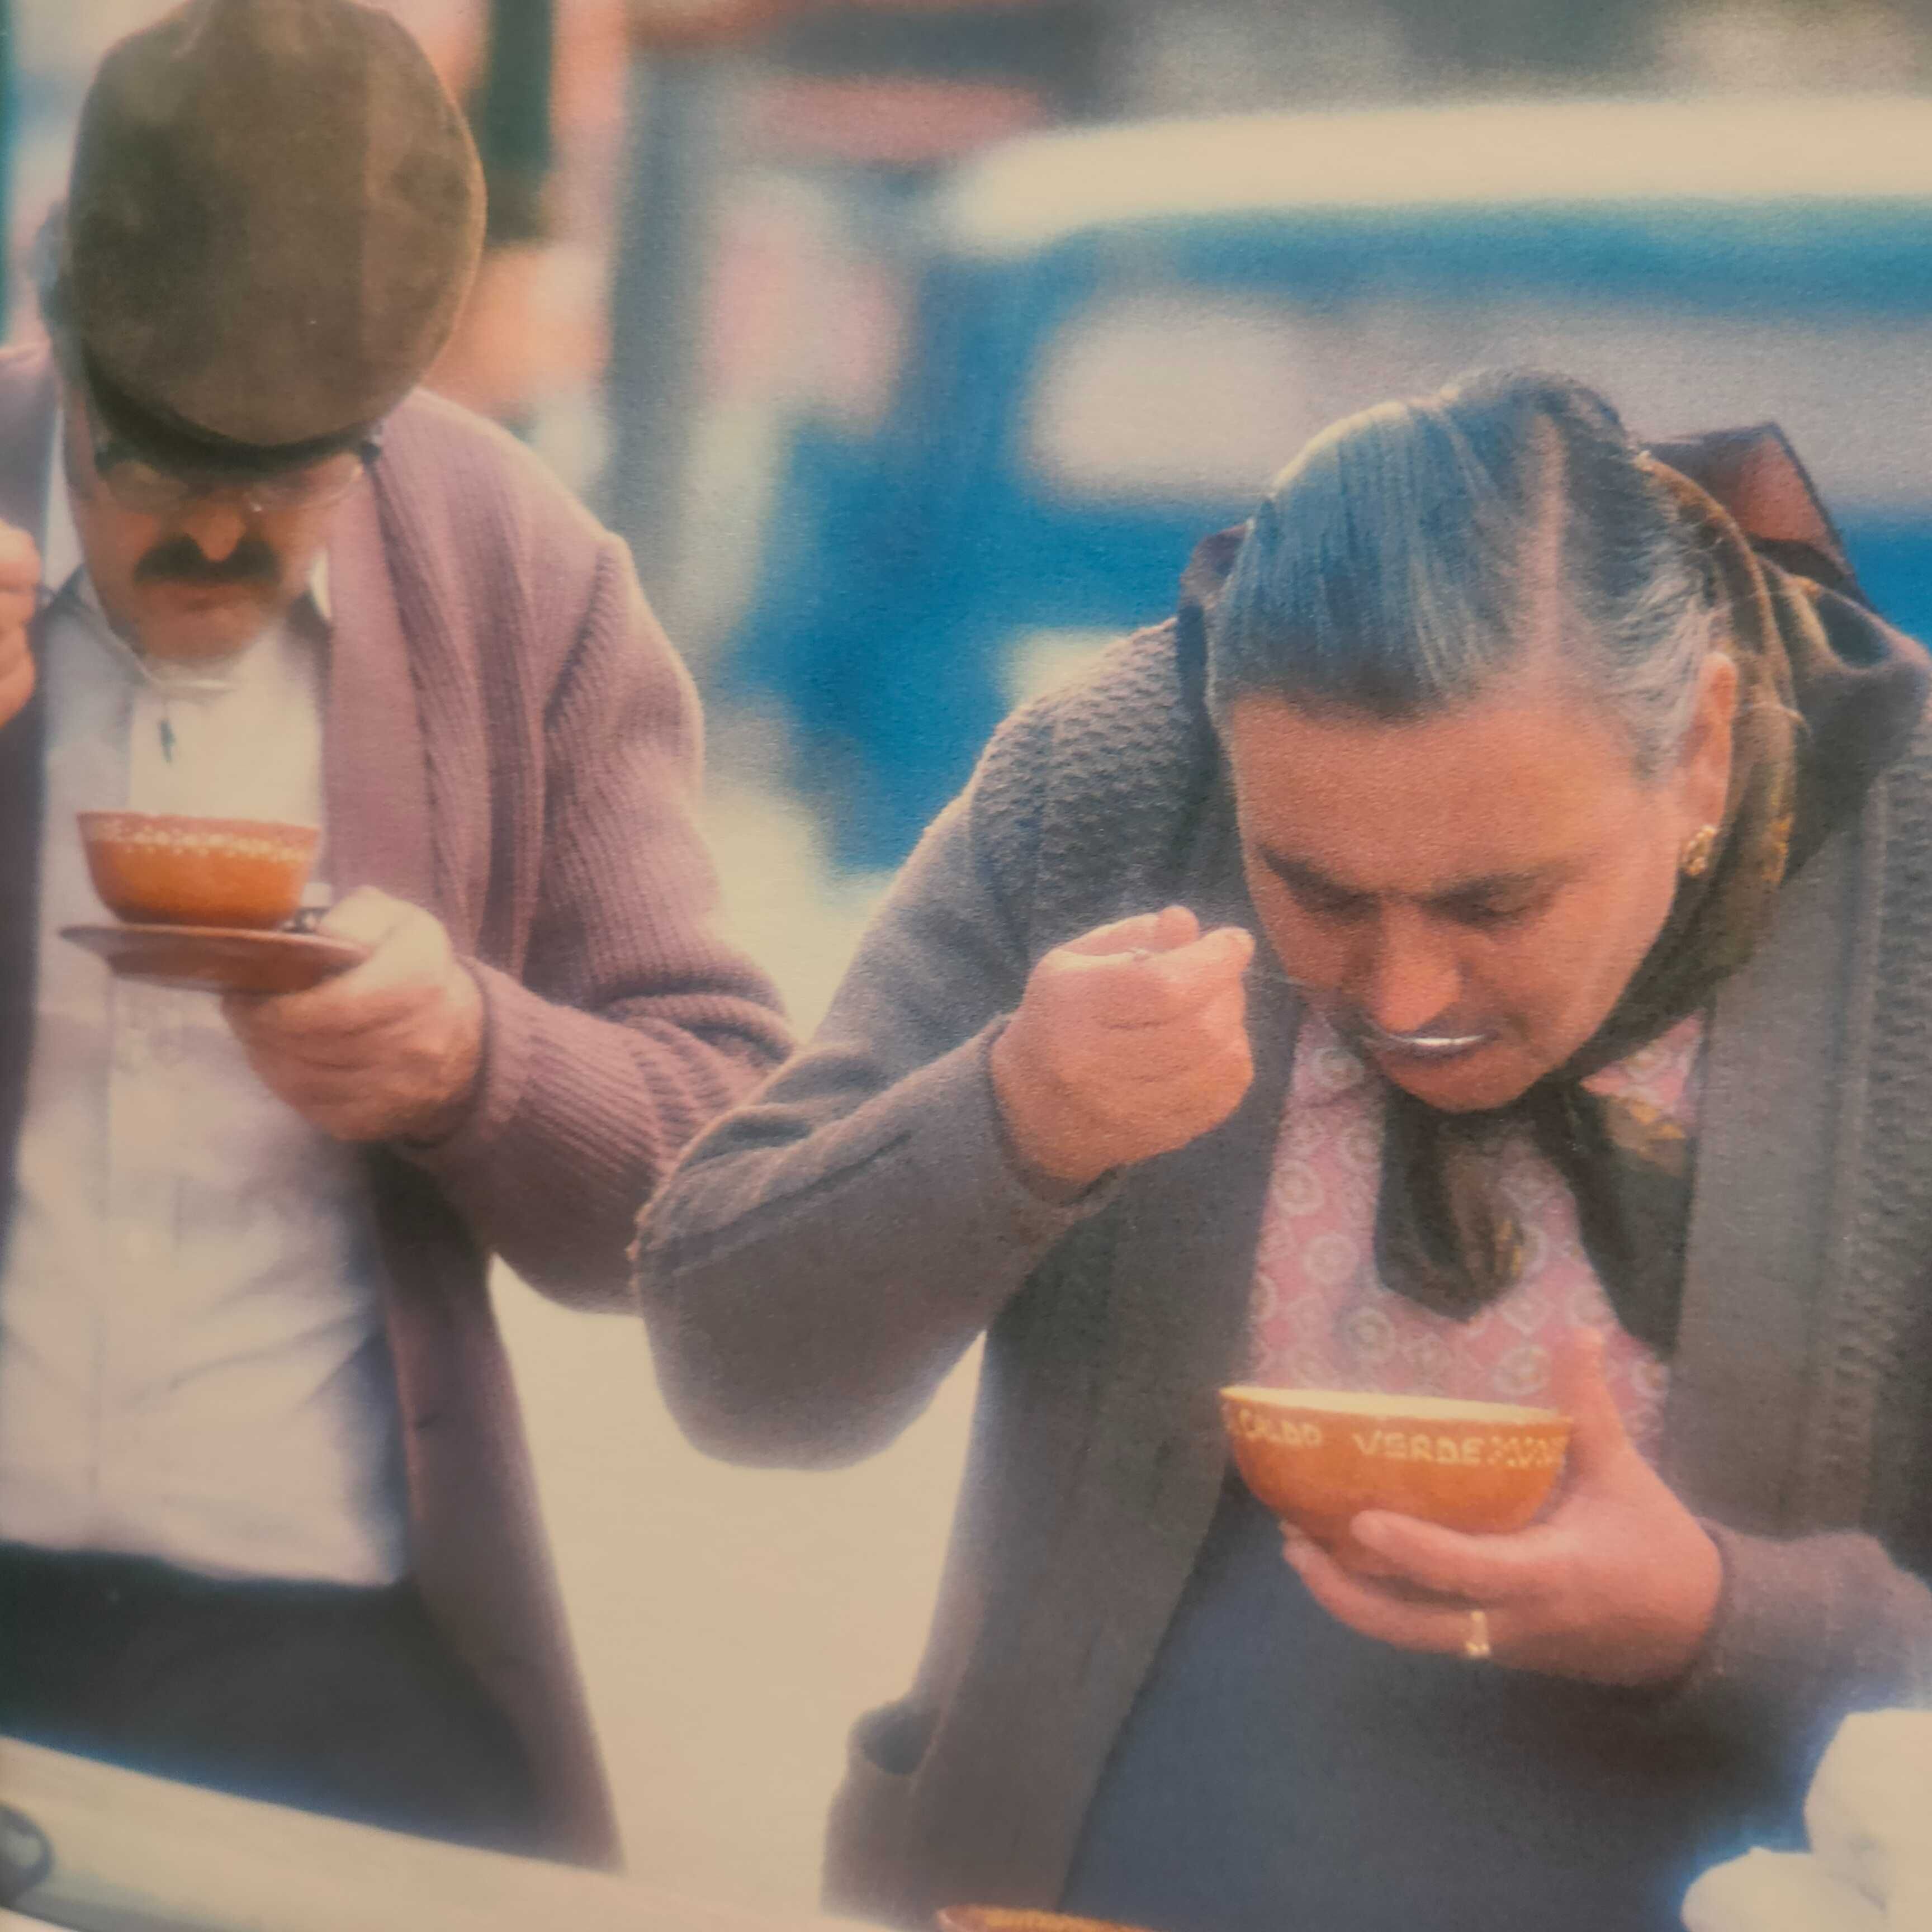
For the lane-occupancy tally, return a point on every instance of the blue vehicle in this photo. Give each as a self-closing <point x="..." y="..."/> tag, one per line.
<point x="1118" y="335"/>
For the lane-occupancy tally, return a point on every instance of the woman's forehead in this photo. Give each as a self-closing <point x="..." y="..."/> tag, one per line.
<point x="1527" y="776"/>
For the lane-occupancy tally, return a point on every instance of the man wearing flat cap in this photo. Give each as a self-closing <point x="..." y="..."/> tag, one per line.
<point x="266" y="1520"/>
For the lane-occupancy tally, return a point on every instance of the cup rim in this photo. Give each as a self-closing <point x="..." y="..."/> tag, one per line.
<point x="100" y="826"/>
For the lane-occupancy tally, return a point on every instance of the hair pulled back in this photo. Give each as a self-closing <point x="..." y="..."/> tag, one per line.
<point x="1411" y="555"/>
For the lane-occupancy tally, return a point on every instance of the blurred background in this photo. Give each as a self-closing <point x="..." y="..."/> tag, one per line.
<point x="911" y="344"/>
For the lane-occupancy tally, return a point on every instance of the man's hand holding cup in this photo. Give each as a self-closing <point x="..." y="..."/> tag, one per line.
<point x="1128" y="1042"/>
<point x="20" y="595"/>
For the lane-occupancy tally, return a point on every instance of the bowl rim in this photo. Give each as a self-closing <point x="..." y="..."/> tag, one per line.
<point x="1019" y="1918"/>
<point x="1378" y="1404"/>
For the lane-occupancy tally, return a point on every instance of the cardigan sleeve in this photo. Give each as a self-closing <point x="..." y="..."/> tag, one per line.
<point x="1808" y="1630"/>
<point x="631" y="1023"/>
<point x="826" y="1253"/>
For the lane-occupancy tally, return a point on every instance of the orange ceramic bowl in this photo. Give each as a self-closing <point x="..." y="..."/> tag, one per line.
<point x="1317" y="1457"/>
<point x="152" y="869"/>
<point x="1018" y="1918"/>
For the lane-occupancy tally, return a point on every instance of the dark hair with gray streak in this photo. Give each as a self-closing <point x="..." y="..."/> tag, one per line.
<point x="1407" y="557"/>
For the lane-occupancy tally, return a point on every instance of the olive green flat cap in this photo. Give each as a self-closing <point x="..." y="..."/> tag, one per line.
<point x="275" y="213"/>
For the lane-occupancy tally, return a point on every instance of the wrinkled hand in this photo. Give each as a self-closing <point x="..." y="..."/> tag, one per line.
<point x="388" y="1051"/>
<point x="1129" y="1041"/>
<point x="20" y="593"/>
<point x="1617" y="1584"/>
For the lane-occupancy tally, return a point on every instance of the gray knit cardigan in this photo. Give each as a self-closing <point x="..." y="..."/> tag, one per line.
<point x="828" y="1251"/>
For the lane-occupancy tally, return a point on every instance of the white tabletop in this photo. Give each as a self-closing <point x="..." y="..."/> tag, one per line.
<point x="130" y="1851"/>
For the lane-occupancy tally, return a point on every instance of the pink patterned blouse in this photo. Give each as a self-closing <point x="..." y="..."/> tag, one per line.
<point x="1321" y="1318"/>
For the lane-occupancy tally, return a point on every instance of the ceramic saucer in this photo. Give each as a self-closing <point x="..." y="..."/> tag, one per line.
<point x="218" y="959"/>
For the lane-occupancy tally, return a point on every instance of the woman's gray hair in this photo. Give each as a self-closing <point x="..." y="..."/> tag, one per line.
<point x="1409" y="555"/>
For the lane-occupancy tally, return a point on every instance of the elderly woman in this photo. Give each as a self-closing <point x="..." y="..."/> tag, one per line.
<point x="1482" y="946"/>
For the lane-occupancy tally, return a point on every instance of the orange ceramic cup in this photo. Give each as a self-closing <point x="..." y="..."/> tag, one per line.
<point x="1018" y="1918"/>
<point x="154" y="868"/>
<point x="1317" y="1457"/>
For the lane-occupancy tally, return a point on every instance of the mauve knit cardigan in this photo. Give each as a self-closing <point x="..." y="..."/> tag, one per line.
<point x="509" y="741"/>
<point x="561" y="742"/>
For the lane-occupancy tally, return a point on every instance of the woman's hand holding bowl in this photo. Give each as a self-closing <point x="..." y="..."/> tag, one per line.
<point x="1618" y="1584"/>
<point x="1128" y="1042"/>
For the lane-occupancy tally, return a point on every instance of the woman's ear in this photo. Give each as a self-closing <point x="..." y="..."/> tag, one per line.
<point x="1706" y="771"/>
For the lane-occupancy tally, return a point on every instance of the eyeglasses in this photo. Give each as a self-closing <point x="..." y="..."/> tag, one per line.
<point x="143" y="487"/>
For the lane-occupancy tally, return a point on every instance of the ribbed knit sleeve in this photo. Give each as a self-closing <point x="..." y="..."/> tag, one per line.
<point x="630" y="1024"/>
<point x="1808" y="1630"/>
<point x="828" y="1251"/>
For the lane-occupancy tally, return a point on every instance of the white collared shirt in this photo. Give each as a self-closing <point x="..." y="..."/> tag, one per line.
<point x="192" y="1361"/>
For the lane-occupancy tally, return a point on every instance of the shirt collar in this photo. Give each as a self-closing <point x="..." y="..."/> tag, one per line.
<point x="64" y="564"/>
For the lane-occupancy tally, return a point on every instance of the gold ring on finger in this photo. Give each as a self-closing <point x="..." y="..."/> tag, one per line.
<point x="1476" y="1645"/>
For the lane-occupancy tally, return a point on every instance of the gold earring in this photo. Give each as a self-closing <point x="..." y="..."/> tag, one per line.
<point x="1695" y="859"/>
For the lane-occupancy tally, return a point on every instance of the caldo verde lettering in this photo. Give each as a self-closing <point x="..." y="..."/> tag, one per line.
<point x="1472" y="1452"/>
<point x="1404" y="1445"/>
<point x="1265" y="1428"/>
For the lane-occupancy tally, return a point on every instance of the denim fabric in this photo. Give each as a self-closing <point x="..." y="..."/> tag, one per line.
<point x="1280" y="1774"/>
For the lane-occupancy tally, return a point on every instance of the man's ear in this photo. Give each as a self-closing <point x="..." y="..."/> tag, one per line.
<point x="75" y="452"/>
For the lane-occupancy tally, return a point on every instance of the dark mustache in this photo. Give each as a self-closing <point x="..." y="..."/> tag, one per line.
<point x="179" y="560"/>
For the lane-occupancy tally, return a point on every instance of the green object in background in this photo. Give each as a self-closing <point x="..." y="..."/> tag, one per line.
<point x="510" y="117"/>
